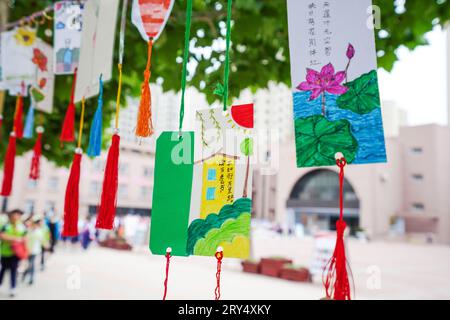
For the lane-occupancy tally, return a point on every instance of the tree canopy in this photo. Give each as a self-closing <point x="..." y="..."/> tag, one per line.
<point x="260" y="54"/>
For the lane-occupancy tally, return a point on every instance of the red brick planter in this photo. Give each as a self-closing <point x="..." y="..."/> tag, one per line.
<point x="116" y="244"/>
<point x="272" y="266"/>
<point x="250" y="266"/>
<point x="299" y="275"/>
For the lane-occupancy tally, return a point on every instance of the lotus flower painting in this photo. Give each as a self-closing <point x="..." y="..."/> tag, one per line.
<point x="335" y="85"/>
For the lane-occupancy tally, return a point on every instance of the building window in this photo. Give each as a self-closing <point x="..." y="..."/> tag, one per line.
<point x="417" y="206"/>
<point x="32" y="184"/>
<point x="123" y="168"/>
<point x="94" y="188"/>
<point x="148" y="172"/>
<point x="211" y="174"/>
<point x="53" y="183"/>
<point x="417" y="176"/>
<point x="417" y="150"/>
<point x="123" y="191"/>
<point x="210" y="193"/>
<point x="146" y="192"/>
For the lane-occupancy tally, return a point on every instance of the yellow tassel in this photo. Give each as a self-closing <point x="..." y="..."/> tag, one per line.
<point x="144" y="126"/>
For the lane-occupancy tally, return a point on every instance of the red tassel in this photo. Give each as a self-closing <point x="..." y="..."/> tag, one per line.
<point x="71" y="203"/>
<point x="8" y="170"/>
<point x="68" y="128"/>
<point x="108" y="202"/>
<point x="144" y="126"/>
<point x="36" y="159"/>
<point x="336" y="281"/>
<point x="18" y="117"/>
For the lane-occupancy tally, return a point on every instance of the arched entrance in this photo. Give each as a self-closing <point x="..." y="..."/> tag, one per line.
<point x="314" y="202"/>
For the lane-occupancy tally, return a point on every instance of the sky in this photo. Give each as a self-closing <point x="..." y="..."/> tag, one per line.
<point x="418" y="82"/>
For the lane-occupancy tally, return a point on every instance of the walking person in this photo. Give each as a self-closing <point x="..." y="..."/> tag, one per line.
<point x="12" y="248"/>
<point x="36" y="243"/>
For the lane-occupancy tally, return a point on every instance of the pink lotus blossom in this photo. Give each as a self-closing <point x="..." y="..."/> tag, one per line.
<point x="325" y="81"/>
<point x="350" y="51"/>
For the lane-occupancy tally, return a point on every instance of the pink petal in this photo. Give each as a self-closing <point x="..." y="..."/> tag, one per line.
<point x="350" y="51"/>
<point x="336" y="89"/>
<point x="306" y="86"/>
<point x="312" y="76"/>
<point x="327" y="71"/>
<point x="315" y="94"/>
<point x="339" y="77"/>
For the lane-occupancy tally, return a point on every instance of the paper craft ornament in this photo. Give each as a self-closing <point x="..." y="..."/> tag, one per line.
<point x="42" y="89"/>
<point x="335" y="86"/>
<point x="97" y="46"/>
<point x="149" y="17"/>
<point x="17" y="46"/>
<point x="68" y="23"/>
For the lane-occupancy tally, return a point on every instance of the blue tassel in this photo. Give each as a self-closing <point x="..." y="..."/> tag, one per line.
<point x="29" y="124"/>
<point x="95" y="137"/>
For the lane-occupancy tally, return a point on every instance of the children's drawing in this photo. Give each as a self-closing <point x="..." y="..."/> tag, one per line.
<point x="150" y="17"/>
<point x="213" y="188"/>
<point x="336" y="96"/>
<point x="43" y="87"/>
<point x="96" y="52"/>
<point x="16" y="57"/>
<point x="67" y="35"/>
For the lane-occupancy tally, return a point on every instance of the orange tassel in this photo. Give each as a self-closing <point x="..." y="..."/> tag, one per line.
<point x="144" y="126"/>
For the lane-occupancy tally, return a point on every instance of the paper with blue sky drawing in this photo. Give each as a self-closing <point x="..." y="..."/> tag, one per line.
<point x="68" y="23"/>
<point x="334" y="79"/>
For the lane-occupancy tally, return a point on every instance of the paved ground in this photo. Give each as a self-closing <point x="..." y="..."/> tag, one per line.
<point x="399" y="270"/>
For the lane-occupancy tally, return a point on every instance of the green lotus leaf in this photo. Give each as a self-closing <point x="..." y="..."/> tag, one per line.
<point x="318" y="140"/>
<point x="362" y="96"/>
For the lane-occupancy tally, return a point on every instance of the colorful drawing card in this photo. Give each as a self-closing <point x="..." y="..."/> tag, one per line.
<point x="43" y="88"/>
<point x="335" y="85"/>
<point x="97" y="47"/>
<point x="16" y="58"/>
<point x="68" y="23"/>
<point x="203" y="186"/>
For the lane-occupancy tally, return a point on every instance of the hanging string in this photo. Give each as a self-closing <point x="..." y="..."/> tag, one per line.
<point x="80" y="130"/>
<point x="123" y="25"/>
<point x="226" y="75"/>
<point x="166" y="280"/>
<point x="336" y="279"/>
<point x="219" y="257"/>
<point x="187" y="37"/>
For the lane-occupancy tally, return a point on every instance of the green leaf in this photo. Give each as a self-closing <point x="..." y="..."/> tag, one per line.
<point x="38" y="96"/>
<point x="219" y="90"/>
<point x="318" y="140"/>
<point x="247" y="147"/>
<point x="362" y="96"/>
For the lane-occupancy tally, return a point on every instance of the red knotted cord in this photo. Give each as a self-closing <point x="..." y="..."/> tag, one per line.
<point x="168" y="255"/>
<point x="219" y="257"/>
